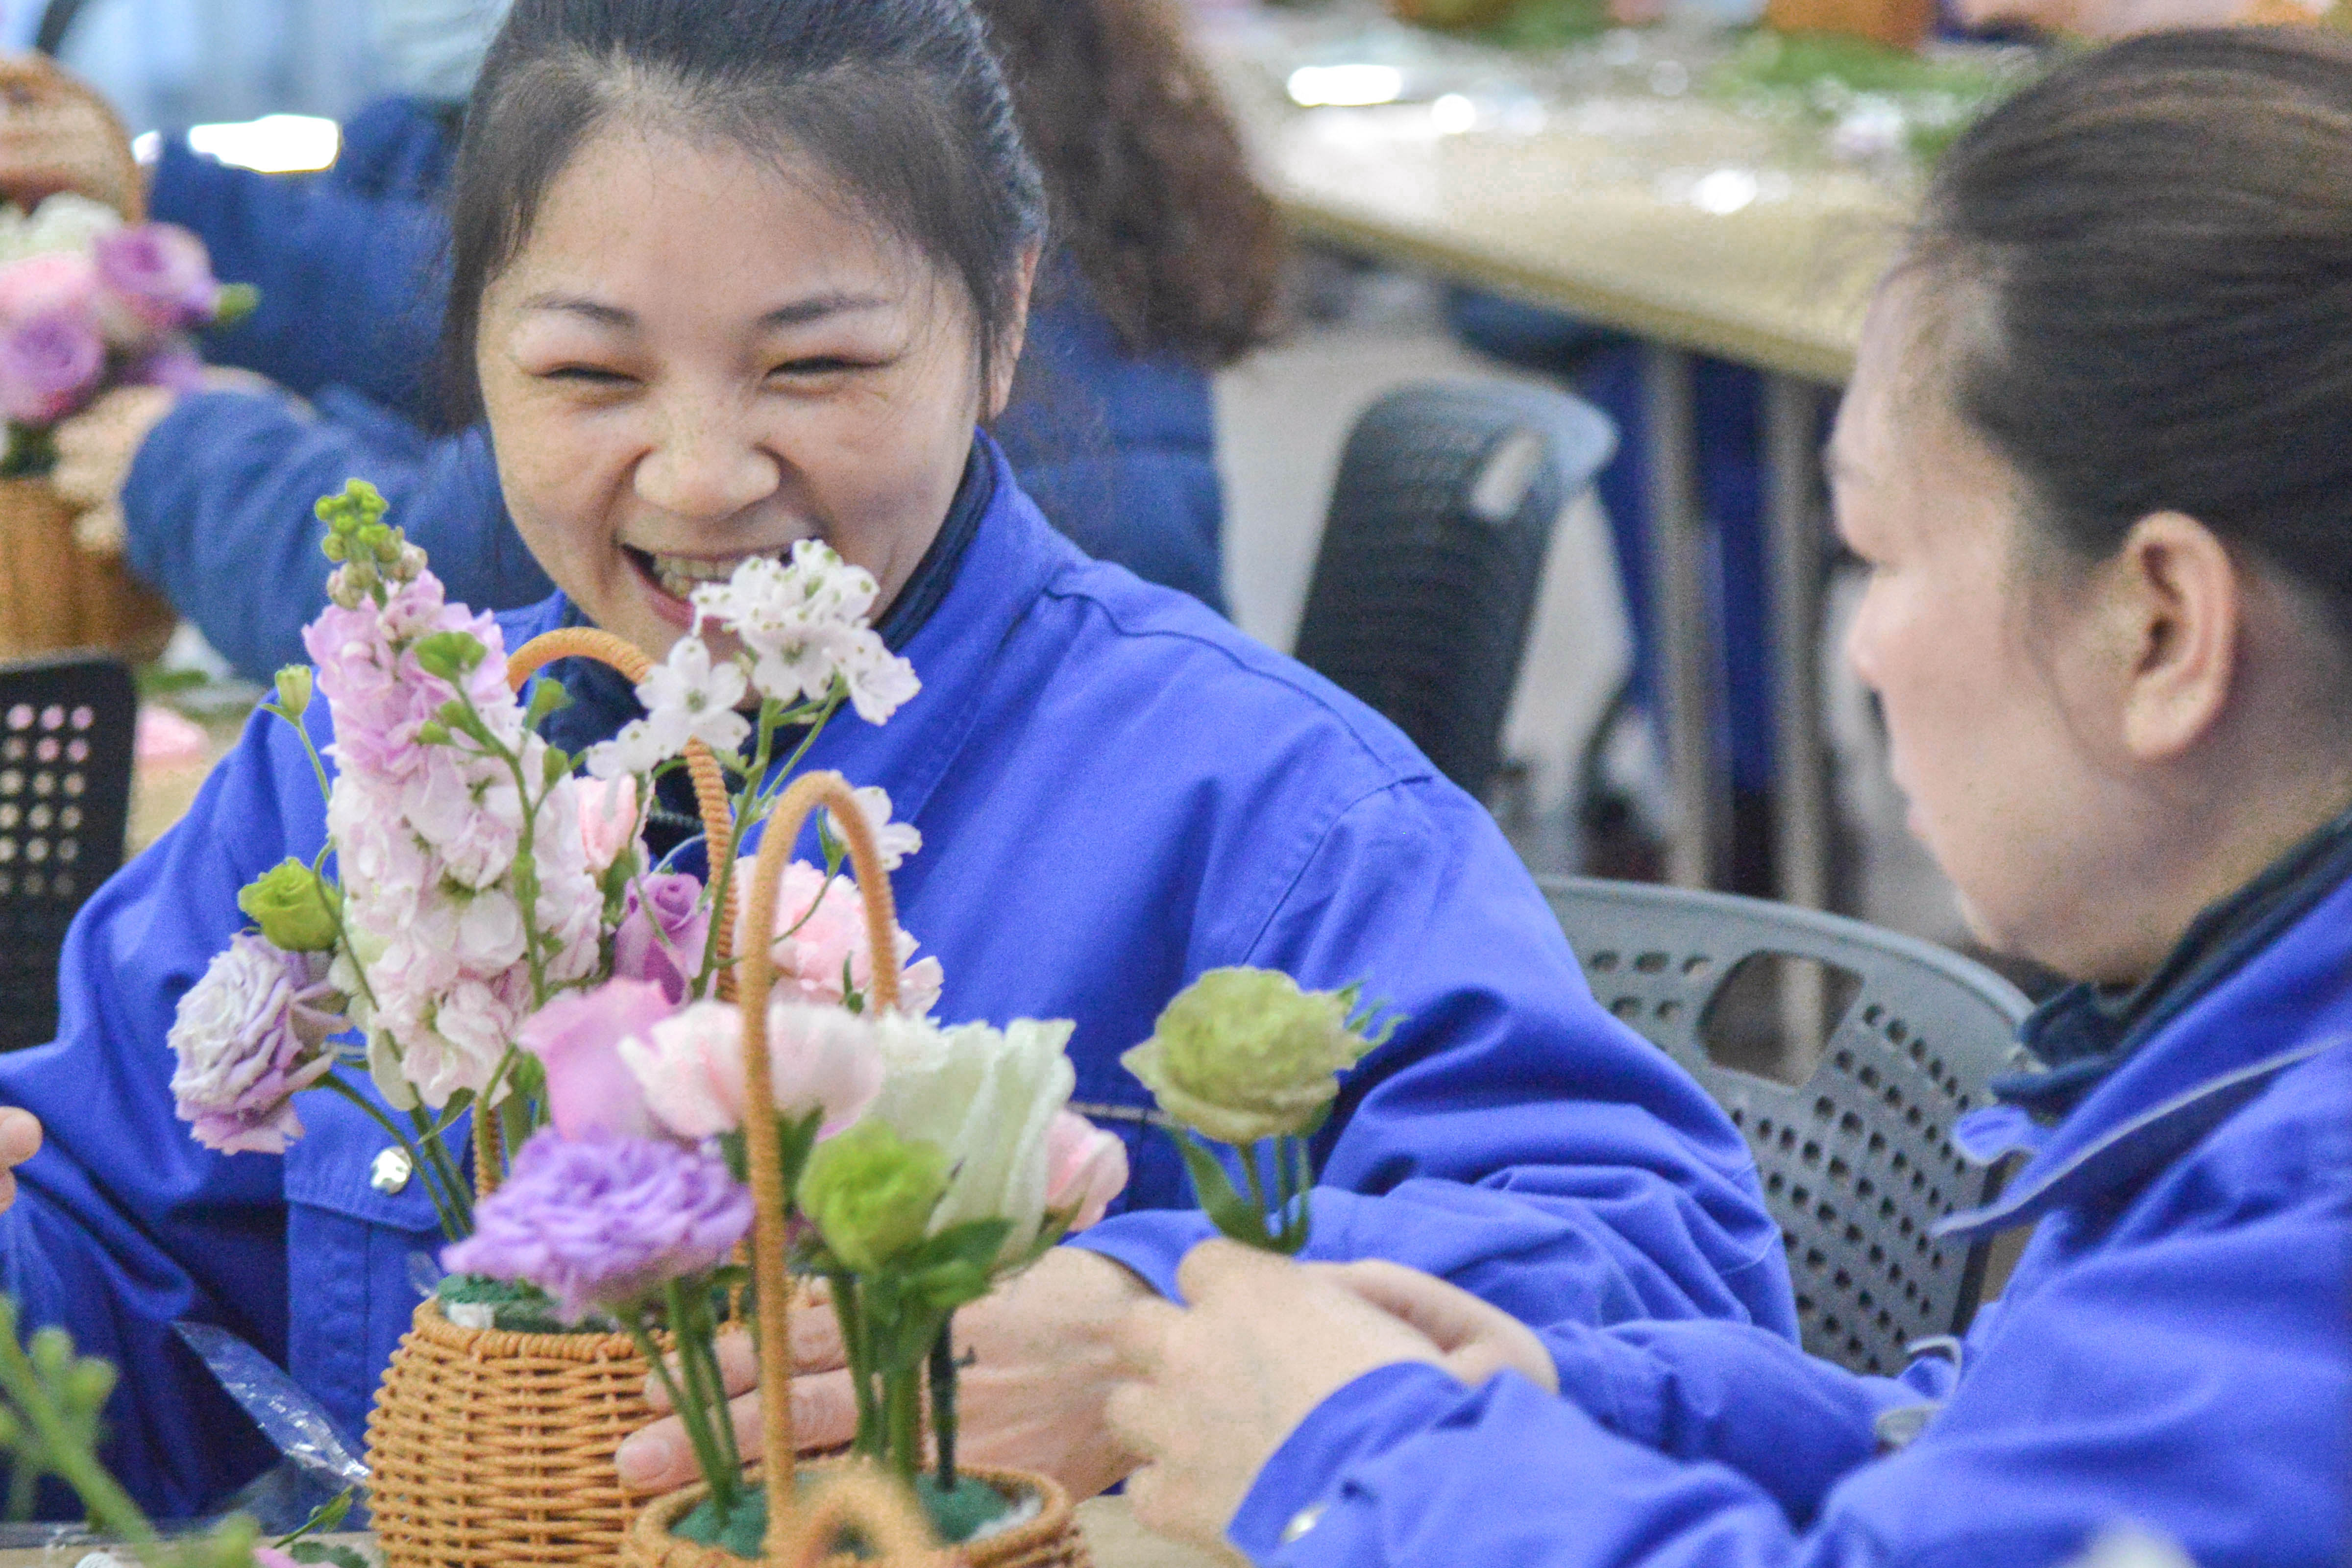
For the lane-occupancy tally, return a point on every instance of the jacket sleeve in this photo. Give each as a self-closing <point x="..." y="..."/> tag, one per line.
<point x="351" y="282"/>
<point x="122" y="1223"/>
<point x="1512" y="1137"/>
<point x="219" y="510"/>
<point x="2194" y="1381"/>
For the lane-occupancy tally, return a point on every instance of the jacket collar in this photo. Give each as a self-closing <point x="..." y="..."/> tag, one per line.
<point x="2268" y="986"/>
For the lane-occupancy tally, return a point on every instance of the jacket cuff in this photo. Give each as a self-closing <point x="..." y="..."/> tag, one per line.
<point x="1382" y="1408"/>
<point x="1151" y="1242"/>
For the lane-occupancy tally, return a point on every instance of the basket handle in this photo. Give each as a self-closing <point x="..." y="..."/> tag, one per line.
<point x="763" y="1145"/>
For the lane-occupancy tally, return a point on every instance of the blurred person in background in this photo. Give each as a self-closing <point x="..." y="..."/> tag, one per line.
<point x="2110" y="618"/>
<point x="1167" y="267"/>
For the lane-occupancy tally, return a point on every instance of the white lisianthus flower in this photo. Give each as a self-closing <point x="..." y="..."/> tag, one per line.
<point x="65" y="222"/>
<point x="988" y="1097"/>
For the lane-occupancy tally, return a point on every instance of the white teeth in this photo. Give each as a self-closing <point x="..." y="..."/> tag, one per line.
<point x="679" y="575"/>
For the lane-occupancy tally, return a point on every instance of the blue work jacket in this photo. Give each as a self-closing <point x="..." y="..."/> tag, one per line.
<point x="1117" y="449"/>
<point x="2174" y="1350"/>
<point x="1116" y="791"/>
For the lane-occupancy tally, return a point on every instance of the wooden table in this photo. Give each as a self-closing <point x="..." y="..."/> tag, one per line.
<point x="1117" y="1541"/>
<point x="1676" y="221"/>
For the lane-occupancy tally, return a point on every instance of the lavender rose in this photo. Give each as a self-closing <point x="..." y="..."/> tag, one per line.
<point x="159" y="273"/>
<point x="662" y="933"/>
<point x="604" y="1221"/>
<point x="248" y="1034"/>
<point x="48" y="364"/>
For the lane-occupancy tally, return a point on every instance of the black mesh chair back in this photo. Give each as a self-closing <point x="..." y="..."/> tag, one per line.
<point x="1857" y="1161"/>
<point x="1434" y="553"/>
<point x="66" y="731"/>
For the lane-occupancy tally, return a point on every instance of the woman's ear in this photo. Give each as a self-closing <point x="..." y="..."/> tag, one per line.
<point x="1006" y="361"/>
<point x="2179" y="598"/>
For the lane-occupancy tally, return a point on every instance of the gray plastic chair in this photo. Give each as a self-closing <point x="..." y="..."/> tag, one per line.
<point x="1858" y="1161"/>
<point x="65" y="734"/>
<point x="1434" y="553"/>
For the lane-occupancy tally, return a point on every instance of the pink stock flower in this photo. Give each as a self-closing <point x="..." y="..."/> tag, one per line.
<point x="691" y="1067"/>
<point x="57" y="281"/>
<point x="663" y="933"/>
<point x="820" y="941"/>
<point x="48" y="364"/>
<point x="380" y="694"/>
<point x="1085" y="1167"/>
<point x="590" y="1092"/>
<point x="248" y="1035"/>
<point x="608" y="819"/>
<point x="160" y="273"/>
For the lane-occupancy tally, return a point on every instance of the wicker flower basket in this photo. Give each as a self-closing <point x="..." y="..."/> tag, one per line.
<point x="54" y="593"/>
<point x="1049" y="1541"/>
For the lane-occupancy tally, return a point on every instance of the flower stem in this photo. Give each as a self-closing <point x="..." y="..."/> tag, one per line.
<point x="902" y="1397"/>
<point x="417" y="1160"/>
<point x="861" y="1361"/>
<point x="691" y="1328"/>
<point x="724" y="1483"/>
<point x="943" y="1403"/>
<point x="68" y="1453"/>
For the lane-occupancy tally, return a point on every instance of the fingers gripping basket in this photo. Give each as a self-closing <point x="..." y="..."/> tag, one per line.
<point x="54" y="593"/>
<point x="492" y="1447"/>
<point x="847" y="1494"/>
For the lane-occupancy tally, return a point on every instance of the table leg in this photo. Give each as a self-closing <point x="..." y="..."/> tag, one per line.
<point x="1792" y="471"/>
<point x="1685" y="622"/>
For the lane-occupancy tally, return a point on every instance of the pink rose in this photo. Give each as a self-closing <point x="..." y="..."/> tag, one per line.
<point x="1085" y="1167"/>
<point x="663" y="931"/>
<point x="159" y="273"/>
<point x="608" y="819"/>
<point x="42" y="285"/>
<point x="590" y="1092"/>
<point x="48" y="365"/>
<point x="821" y="939"/>
<point x="690" y="1067"/>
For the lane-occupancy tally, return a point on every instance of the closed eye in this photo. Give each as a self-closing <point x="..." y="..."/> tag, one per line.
<point x="587" y="374"/>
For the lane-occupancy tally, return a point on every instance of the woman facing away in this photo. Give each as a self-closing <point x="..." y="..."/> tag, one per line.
<point x="2098" y="455"/>
<point x="1166" y="262"/>
<point x="735" y="273"/>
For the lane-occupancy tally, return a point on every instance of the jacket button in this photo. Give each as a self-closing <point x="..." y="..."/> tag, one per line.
<point x="391" y="1171"/>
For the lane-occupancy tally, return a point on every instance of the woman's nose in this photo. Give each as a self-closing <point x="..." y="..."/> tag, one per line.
<point x="707" y="464"/>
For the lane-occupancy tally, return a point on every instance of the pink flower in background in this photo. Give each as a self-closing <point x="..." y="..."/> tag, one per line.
<point x="663" y="933"/>
<point x="49" y="363"/>
<point x="820" y="941"/>
<point x="40" y="285"/>
<point x="1085" y="1167"/>
<point x="590" y="1092"/>
<point x="160" y="274"/>
<point x="690" y="1066"/>
<point x="175" y="368"/>
<point x="248" y="1035"/>
<point x="608" y="819"/>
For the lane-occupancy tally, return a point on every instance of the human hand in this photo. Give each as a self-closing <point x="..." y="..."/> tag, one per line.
<point x="1475" y="1339"/>
<point x="20" y="1140"/>
<point x="1041" y="1361"/>
<point x="95" y="450"/>
<point x="1215" y="1389"/>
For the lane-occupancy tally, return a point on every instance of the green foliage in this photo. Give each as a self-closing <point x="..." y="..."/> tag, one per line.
<point x="238" y="301"/>
<point x="298" y="910"/>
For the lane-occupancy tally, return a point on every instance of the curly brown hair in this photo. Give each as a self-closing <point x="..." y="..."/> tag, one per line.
<point x="1151" y="190"/>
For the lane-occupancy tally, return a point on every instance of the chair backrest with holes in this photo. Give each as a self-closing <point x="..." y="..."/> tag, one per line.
<point x="1857" y="1161"/>
<point x="66" y="732"/>
<point x="1432" y="555"/>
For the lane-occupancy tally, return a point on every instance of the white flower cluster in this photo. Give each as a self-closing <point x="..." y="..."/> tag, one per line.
<point x="429" y="837"/>
<point x="802" y="627"/>
<point x="64" y="223"/>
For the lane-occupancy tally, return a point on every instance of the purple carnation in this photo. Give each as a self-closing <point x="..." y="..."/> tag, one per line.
<point x="600" y="1222"/>
<point x="160" y="273"/>
<point x="48" y="363"/>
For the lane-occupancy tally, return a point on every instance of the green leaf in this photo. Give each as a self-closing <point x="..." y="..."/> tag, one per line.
<point x="236" y="301"/>
<point x="548" y="698"/>
<point x="796" y="1139"/>
<point x="1226" y="1209"/>
<point x="326" y="1552"/>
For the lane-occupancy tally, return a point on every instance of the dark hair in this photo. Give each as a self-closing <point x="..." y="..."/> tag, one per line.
<point x="1151" y="191"/>
<point x="2149" y="255"/>
<point x="899" y="99"/>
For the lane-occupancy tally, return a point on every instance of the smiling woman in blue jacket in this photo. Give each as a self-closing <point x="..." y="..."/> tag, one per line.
<point x="2097" y="455"/>
<point x="734" y="273"/>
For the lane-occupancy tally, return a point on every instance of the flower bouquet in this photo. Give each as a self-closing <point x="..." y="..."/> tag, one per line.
<point x="482" y="935"/>
<point x="90" y="300"/>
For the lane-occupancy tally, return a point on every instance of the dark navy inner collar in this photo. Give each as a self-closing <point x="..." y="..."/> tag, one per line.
<point x="602" y="699"/>
<point x="2086" y="1032"/>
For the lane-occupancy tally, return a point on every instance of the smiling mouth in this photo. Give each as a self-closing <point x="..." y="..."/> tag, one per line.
<point x="679" y="575"/>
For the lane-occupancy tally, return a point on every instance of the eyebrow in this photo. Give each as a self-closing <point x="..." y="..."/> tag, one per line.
<point x="800" y="312"/>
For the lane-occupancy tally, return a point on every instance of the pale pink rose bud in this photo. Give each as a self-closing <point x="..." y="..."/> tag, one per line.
<point x="1085" y="1167"/>
<point x="663" y="931"/>
<point x="590" y="1092"/>
<point x="42" y="285"/>
<point x="691" y="1067"/>
<point x="608" y="819"/>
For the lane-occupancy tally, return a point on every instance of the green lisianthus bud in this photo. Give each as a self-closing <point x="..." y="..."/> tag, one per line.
<point x="1244" y="1053"/>
<point x="871" y="1193"/>
<point x="295" y="908"/>
<point x="294" y="682"/>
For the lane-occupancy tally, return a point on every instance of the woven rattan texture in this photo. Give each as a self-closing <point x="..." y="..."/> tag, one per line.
<point x="55" y="595"/>
<point x="1052" y="1540"/>
<point x="492" y="1447"/>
